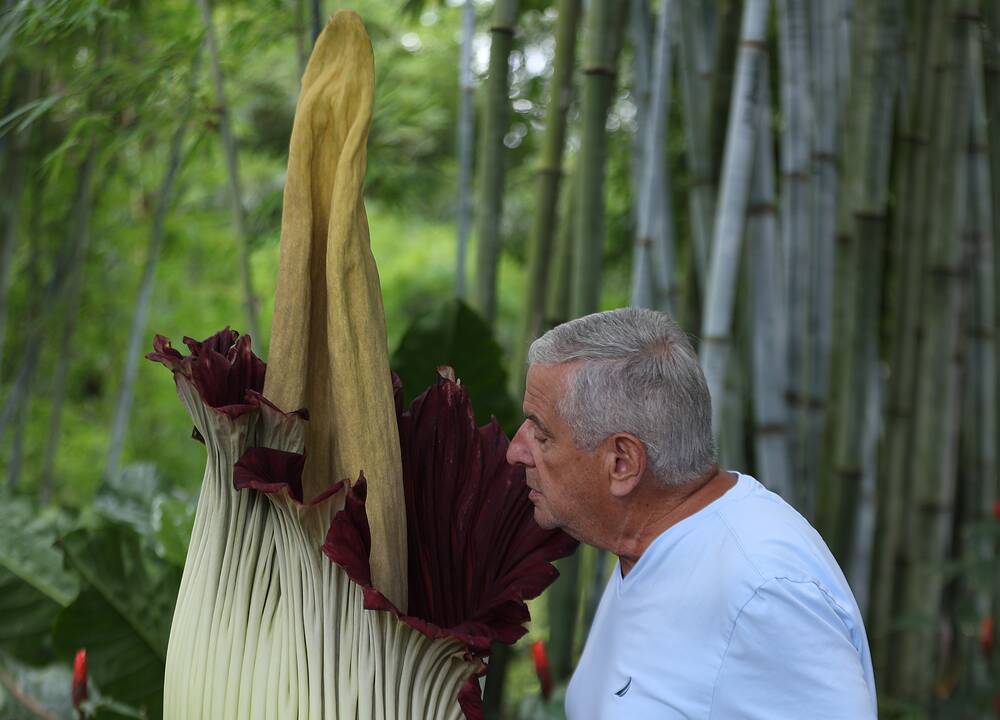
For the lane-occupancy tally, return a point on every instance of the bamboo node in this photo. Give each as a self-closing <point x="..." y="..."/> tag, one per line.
<point x="503" y="29"/>
<point x="771" y="429"/>
<point x="795" y="175"/>
<point x="599" y="70"/>
<point x="849" y="473"/>
<point x="761" y="209"/>
<point x="914" y="138"/>
<point x="754" y="45"/>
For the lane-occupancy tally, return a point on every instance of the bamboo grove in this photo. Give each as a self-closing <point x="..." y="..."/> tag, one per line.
<point x="811" y="187"/>
<point x="833" y="249"/>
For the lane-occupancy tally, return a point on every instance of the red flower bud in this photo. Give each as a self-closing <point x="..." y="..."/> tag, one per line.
<point x="542" y="668"/>
<point x="79" y="677"/>
<point x="986" y="633"/>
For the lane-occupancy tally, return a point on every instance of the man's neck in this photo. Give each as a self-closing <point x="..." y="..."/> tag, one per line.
<point x="656" y="509"/>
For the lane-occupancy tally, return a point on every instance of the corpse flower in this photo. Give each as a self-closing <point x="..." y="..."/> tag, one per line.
<point x="358" y="560"/>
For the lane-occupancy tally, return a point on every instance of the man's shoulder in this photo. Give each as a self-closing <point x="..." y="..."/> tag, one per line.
<point x="778" y="542"/>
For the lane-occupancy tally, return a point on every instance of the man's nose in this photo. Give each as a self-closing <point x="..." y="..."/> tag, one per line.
<point x="518" y="452"/>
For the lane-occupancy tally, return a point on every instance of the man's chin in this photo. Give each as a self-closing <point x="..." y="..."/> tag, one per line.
<point x="544" y="520"/>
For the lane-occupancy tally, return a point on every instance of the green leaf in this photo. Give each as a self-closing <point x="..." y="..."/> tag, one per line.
<point x="27" y="551"/>
<point x="173" y="522"/>
<point x="47" y="687"/>
<point x="142" y="588"/>
<point x="26" y="618"/>
<point x="123" y="615"/>
<point x="455" y="335"/>
<point x="121" y="663"/>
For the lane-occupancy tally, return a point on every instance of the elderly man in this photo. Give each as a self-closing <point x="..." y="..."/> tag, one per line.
<point x="725" y="602"/>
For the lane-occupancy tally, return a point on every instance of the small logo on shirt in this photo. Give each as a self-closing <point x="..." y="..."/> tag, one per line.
<point x="621" y="693"/>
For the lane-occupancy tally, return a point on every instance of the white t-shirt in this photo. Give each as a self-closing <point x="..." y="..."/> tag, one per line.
<point x="738" y="611"/>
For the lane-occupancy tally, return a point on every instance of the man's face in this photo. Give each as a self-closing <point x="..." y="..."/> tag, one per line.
<point x="564" y="480"/>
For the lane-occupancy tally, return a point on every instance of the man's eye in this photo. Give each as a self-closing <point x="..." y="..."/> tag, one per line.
<point x="541" y="439"/>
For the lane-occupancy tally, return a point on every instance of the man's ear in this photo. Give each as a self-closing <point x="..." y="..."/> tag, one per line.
<point x="627" y="456"/>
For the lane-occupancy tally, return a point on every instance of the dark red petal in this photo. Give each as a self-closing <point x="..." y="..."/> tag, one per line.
<point x="269" y="471"/>
<point x="470" y="697"/>
<point x="475" y="552"/>
<point x="222" y="367"/>
<point x="349" y="539"/>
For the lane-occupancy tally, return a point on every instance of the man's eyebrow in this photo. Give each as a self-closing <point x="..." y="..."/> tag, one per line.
<point x="539" y="423"/>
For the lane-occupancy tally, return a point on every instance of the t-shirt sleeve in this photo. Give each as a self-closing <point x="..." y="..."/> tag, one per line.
<point x="791" y="656"/>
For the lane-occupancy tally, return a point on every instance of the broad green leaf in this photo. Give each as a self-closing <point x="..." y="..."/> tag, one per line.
<point x="27" y="551"/>
<point x="455" y="335"/>
<point x="141" y="587"/>
<point x="26" y="617"/>
<point x="122" y="617"/>
<point x="47" y="687"/>
<point x="173" y="522"/>
<point x="122" y="664"/>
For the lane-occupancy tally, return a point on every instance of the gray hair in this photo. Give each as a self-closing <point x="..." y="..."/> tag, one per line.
<point x="638" y="374"/>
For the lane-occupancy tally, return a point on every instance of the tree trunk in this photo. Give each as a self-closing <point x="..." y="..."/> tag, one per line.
<point x="731" y="212"/>
<point x="605" y="20"/>
<point x="466" y="139"/>
<point x="550" y="175"/>
<point x="934" y="478"/>
<point x="770" y="326"/>
<point x="491" y="158"/>
<point x="80" y="229"/>
<point x="138" y="330"/>
<point x="653" y="264"/>
<point x="232" y="168"/>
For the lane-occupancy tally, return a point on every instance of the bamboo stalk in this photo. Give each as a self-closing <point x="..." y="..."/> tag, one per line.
<point x="604" y="26"/>
<point x="557" y="299"/>
<point x="80" y="228"/>
<point x="935" y="442"/>
<point x="796" y="212"/>
<point x="908" y="246"/>
<point x="862" y="230"/>
<point x="827" y="105"/>
<point x="492" y="157"/>
<point x="766" y="281"/>
<point x="654" y="242"/>
<point x="979" y="394"/>
<point x="549" y="179"/>
<point x="695" y="84"/>
<point x="640" y="26"/>
<point x="992" y="68"/>
<point x="466" y="131"/>
<point x="735" y="188"/>
<point x="141" y="314"/>
<point x="232" y="168"/>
